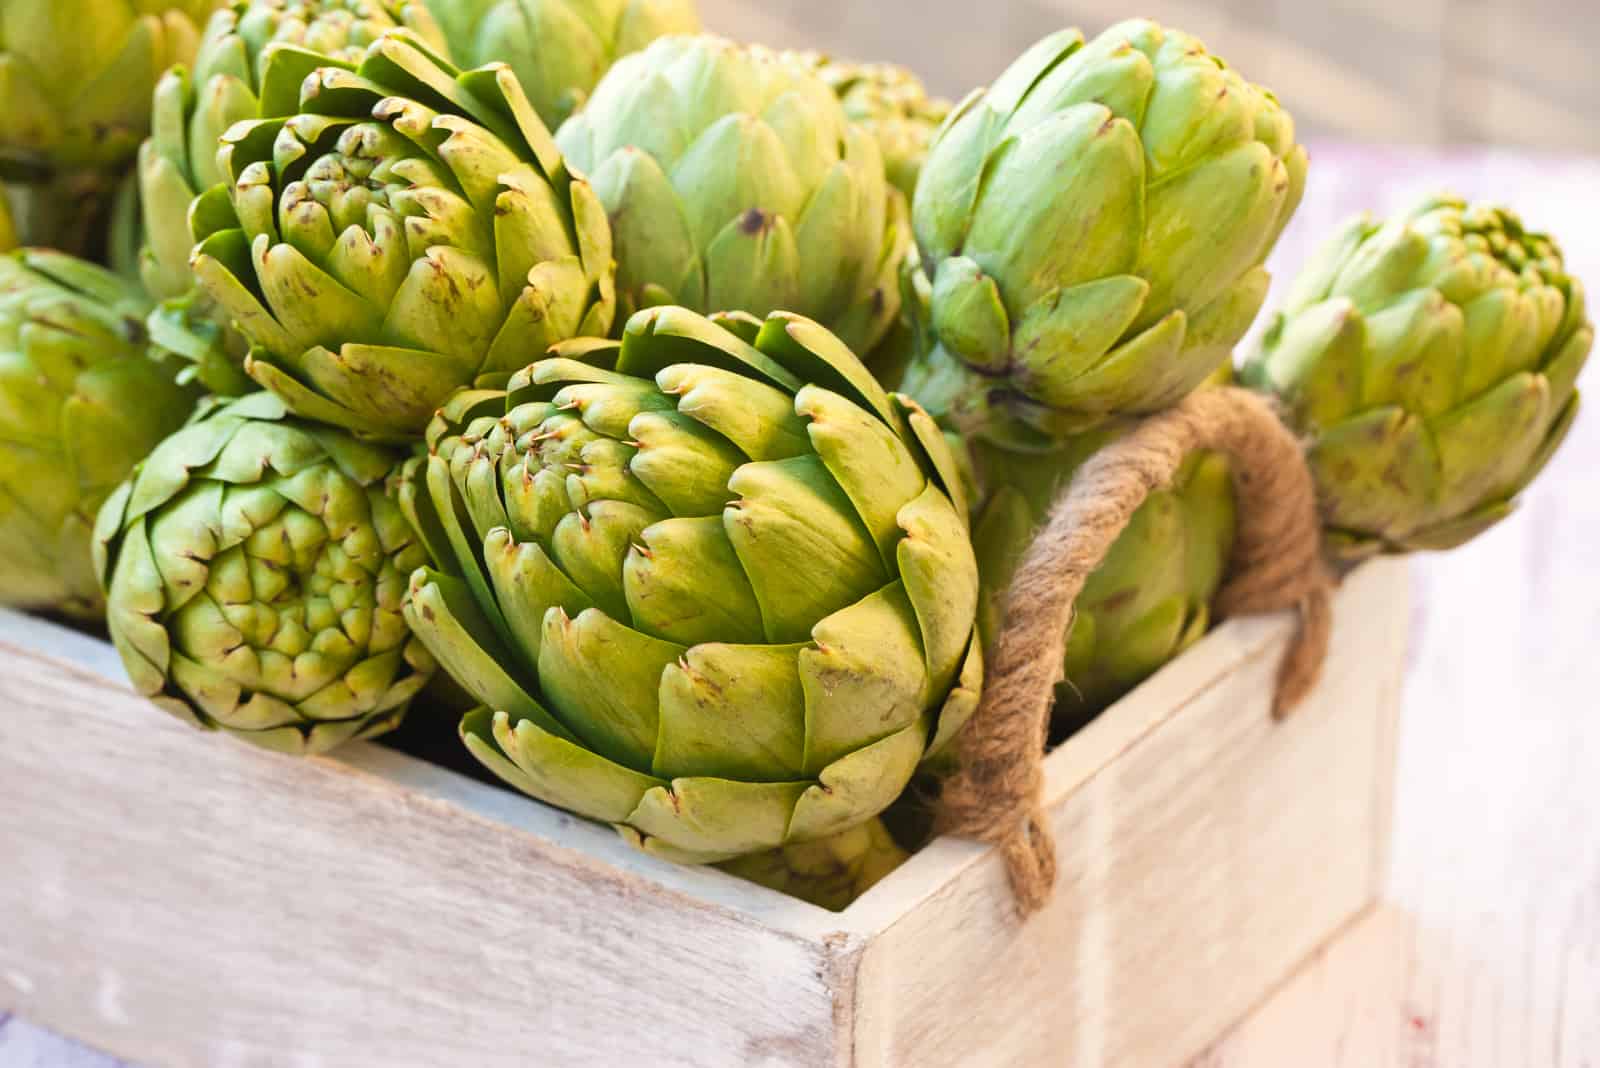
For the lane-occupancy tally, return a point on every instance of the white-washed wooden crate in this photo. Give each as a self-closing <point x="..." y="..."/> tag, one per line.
<point x="181" y="899"/>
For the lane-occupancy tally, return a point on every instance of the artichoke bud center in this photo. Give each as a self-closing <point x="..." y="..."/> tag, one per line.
<point x="1530" y="257"/>
<point x="349" y="183"/>
<point x="340" y="29"/>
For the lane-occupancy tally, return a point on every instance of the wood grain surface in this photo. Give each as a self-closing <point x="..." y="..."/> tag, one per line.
<point x="1486" y="953"/>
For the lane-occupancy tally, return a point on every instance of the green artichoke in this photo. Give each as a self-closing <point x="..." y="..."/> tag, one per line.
<point x="830" y="872"/>
<point x="251" y="62"/>
<point x="1431" y="360"/>
<point x="558" y="49"/>
<point x="412" y="229"/>
<point x="892" y="104"/>
<point x="1094" y="226"/>
<point x="81" y="401"/>
<point x="712" y="584"/>
<point x="254" y="568"/>
<point x="1151" y="597"/>
<point x="76" y="75"/>
<point x="75" y="79"/>
<point x="734" y="180"/>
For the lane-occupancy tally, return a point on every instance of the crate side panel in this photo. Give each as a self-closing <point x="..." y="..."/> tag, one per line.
<point x="181" y="899"/>
<point x="1196" y="869"/>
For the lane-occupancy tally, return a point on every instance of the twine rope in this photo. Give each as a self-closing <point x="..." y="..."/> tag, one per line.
<point x="1277" y="564"/>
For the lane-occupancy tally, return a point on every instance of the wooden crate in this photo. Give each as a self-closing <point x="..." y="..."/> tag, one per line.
<point x="181" y="899"/>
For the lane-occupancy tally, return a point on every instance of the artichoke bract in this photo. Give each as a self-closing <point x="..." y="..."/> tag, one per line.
<point x="81" y="401"/>
<point x="733" y="180"/>
<point x="255" y="566"/>
<point x="1094" y="226"/>
<point x="712" y="584"/>
<point x="1148" y="601"/>
<point x="1432" y="361"/>
<point x="892" y="104"/>
<point x="410" y="230"/>
<point x="558" y="49"/>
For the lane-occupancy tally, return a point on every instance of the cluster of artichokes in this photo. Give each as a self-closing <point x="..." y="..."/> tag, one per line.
<point x="687" y="404"/>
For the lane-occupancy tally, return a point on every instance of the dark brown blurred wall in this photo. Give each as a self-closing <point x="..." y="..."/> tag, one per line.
<point x="1429" y="71"/>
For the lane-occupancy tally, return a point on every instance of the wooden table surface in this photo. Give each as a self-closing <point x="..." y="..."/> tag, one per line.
<point x="1486" y="952"/>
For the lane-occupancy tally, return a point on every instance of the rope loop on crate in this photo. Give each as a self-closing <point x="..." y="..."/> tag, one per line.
<point x="1277" y="564"/>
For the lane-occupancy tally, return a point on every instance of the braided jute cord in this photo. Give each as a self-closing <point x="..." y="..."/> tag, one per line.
<point x="1277" y="564"/>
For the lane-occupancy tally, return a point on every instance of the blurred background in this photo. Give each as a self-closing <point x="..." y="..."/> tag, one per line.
<point x="1509" y="72"/>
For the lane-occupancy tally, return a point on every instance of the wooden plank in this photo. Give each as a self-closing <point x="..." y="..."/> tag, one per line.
<point x="184" y="900"/>
<point x="1204" y="851"/>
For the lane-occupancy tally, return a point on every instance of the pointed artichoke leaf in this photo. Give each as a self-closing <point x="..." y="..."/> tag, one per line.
<point x="384" y="385"/>
<point x="938" y="454"/>
<point x="1373" y="470"/>
<point x="1414" y="355"/>
<point x="1140" y="372"/>
<point x="733" y="712"/>
<point x="1316" y="362"/>
<point x="753" y="265"/>
<point x="603" y="680"/>
<point x="1081" y="156"/>
<point x="653" y="241"/>
<point x="969" y="316"/>
<point x="801" y="542"/>
<point x="758" y="419"/>
<point x="866" y="678"/>
<point x="697" y="820"/>
<point x="1206" y="226"/>
<point x="685" y="584"/>
<point x="1068" y="332"/>
<point x="308" y="403"/>
<point x="818" y="357"/>
<point x="658" y="338"/>
<point x="1552" y="441"/>
<point x="1485" y="445"/>
<point x="857" y="787"/>
<point x="685" y="465"/>
<point x="940" y="573"/>
<point x="552" y="768"/>
<point x="867" y="460"/>
<point x="1442" y="537"/>
<point x="959" y="705"/>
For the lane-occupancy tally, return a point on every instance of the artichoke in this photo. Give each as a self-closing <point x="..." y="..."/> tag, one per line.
<point x="1431" y="360"/>
<point x="830" y="872"/>
<point x="712" y="584"/>
<point x="892" y="104"/>
<point x="1093" y="226"/>
<point x="251" y="62"/>
<point x="75" y="79"/>
<point x="254" y="567"/>
<point x="410" y="230"/>
<point x="734" y="180"/>
<point x="1148" y="601"/>
<point x="558" y="49"/>
<point x="76" y="75"/>
<point x="81" y="401"/>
